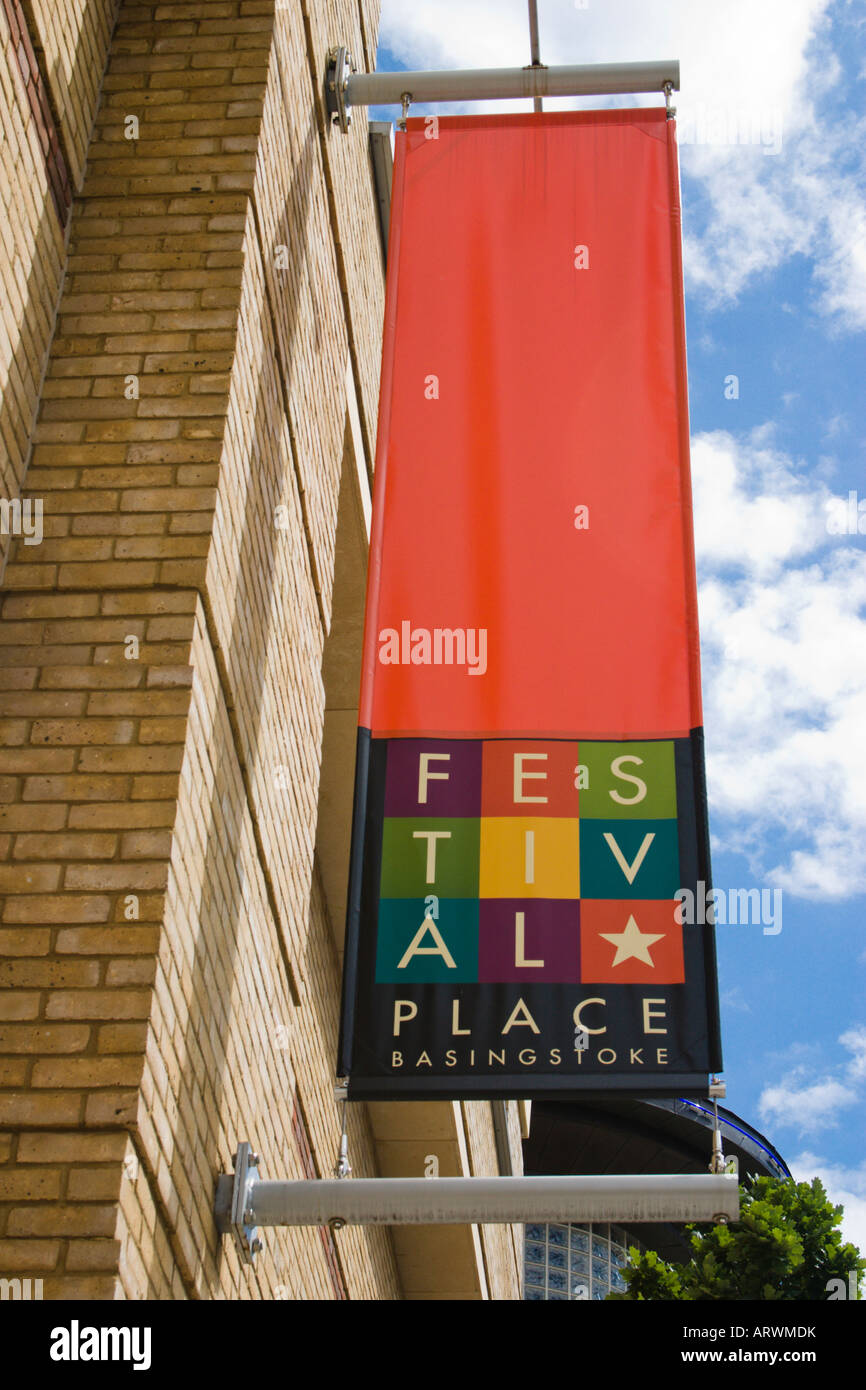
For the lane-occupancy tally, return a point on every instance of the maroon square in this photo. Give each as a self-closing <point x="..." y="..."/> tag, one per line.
<point x="433" y="777"/>
<point x="529" y="929"/>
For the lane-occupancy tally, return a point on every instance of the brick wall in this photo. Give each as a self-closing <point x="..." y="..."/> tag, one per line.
<point x="169" y="978"/>
<point x="175" y="980"/>
<point x="71" y="43"/>
<point x="52" y="58"/>
<point x="502" y="1245"/>
<point x="90" y="794"/>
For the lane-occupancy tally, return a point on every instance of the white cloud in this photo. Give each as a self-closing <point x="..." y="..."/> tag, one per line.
<point x="783" y="636"/>
<point x="757" y="77"/>
<point x="735" y="999"/>
<point x="844" y="1186"/>
<point x="813" y="1104"/>
<point x="719" y="64"/>
<point x="753" y="509"/>
<point x="855" y="1041"/>
<point x="811" y="1107"/>
<point x="842" y="271"/>
<point x="763" y="209"/>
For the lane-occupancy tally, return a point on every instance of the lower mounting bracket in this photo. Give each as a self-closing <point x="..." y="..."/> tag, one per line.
<point x="233" y="1207"/>
<point x="245" y="1203"/>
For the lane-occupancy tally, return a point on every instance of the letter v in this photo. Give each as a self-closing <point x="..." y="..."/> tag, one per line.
<point x="630" y="870"/>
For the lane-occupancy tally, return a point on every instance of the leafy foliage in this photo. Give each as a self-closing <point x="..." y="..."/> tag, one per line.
<point x="786" y="1245"/>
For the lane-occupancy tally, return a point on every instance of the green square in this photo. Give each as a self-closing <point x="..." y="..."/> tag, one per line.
<point x="433" y="951"/>
<point x="422" y="855"/>
<point x="629" y="780"/>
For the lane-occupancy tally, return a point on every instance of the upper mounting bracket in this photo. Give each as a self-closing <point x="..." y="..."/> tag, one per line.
<point x="345" y="87"/>
<point x="341" y="65"/>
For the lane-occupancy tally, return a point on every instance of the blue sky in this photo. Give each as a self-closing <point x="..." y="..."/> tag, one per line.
<point x="774" y="216"/>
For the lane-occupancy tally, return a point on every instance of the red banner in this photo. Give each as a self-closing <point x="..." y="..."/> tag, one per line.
<point x="530" y="797"/>
<point x="532" y="468"/>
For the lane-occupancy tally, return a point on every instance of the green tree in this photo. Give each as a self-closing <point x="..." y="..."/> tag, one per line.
<point x="786" y="1245"/>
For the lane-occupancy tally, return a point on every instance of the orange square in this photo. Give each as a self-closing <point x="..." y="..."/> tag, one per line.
<point x="529" y="857"/>
<point x="529" y="777"/>
<point x="630" y="943"/>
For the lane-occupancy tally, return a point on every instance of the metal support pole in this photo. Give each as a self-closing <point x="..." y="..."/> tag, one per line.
<point x="535" y="47"/>
<point x="717" y="1092"/>
<point x="534" y="40"/>
<point x="345" y="88"/>
<point x="419" y="1201"/>
<point x="245" y="1203"/>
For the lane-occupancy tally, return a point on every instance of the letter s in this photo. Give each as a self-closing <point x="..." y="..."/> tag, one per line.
<point x="627" y="777"/>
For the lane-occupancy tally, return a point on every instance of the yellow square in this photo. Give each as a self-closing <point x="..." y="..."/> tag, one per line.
<point x="530" y="857"/>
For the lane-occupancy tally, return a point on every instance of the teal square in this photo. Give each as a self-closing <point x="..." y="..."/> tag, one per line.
<point x="451" y="939"/>
<point x="607" y="863"/>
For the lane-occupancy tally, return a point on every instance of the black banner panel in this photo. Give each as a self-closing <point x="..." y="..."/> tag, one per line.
<point x="529" y="920"/>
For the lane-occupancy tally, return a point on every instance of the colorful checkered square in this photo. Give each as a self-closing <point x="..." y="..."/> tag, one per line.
<point x="509" y="860"/>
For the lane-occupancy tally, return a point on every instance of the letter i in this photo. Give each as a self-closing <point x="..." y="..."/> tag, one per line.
<point x="529" y="858"/>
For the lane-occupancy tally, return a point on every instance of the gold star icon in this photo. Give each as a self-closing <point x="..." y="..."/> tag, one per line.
<point x="632" y="943"/>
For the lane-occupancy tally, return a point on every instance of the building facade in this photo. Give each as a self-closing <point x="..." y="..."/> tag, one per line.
<point x="580" y="1262"/>
<point x="192" y="283"/>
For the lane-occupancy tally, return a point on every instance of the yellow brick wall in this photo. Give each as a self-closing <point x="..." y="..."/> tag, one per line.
<point x="174" y="982"/>
<point x="299" y="265"/>
<point x="76" y="1232"/>
<point x="52" y="57"/>
<point x="140" y="1228"/>
<point x="359" y="242"/>
<point x="230" y="1053"/>
<point x="169" y="983"/>
<point x="89" y="776"/>
<point x="71" y="38"/>
<point x="502" y="1245"/>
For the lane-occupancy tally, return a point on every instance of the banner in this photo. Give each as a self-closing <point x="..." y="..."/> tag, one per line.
<point x="530" y="812"/>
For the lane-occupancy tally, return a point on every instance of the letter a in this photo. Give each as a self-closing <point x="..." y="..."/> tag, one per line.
<point x="416" y="949"/>
<point x="520" y="1017"/>
<point x="389" y="647"/>
<point x="60" y="1339"/>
